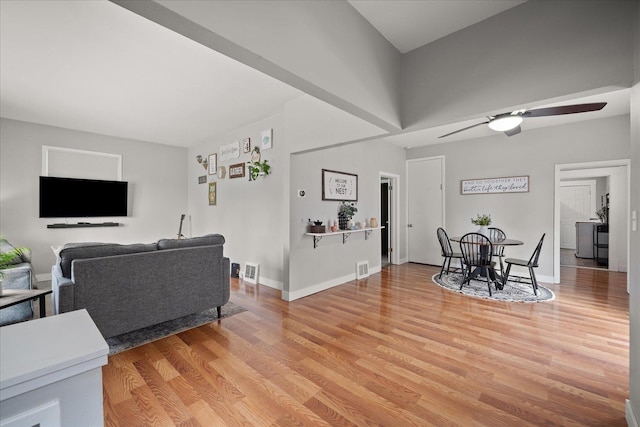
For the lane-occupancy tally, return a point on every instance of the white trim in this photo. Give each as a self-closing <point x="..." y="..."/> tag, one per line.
<point x="47" y="148"/>
<point x="394" y="218"/>
<point x="275" y="284"/>
<point x="586" y="170"/>
<point x="319" y="287"/>
<point x="632" y="420"/>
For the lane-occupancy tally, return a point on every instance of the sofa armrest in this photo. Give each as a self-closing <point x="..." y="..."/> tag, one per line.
<point x="62" y="297"/>
<point x="17" y="276"/>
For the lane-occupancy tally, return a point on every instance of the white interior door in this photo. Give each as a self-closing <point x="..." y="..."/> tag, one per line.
<point x="425" y="209"/>
<point x="576" y="202"/>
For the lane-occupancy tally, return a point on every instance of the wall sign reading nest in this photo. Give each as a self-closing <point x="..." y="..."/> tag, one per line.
<point x="340" y="186"/>
<point x="509" y="184"/>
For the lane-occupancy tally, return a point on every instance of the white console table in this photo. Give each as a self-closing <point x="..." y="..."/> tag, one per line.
<point x="51" y="372"/>
<point x="345" y="234"/>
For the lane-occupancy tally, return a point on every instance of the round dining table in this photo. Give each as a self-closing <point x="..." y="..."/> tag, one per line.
<point x="493" y="275"/>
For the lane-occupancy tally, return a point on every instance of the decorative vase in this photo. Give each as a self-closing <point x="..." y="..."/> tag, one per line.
<point x="342" y="222"/>
<point x="484" y="229"/>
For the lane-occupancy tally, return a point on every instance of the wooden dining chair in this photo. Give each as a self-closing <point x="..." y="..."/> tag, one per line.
<point x="477" y="252"/>
<point x="496" y="235"/>
<point x="531" y="263"/>
<point x="447" y="250"/>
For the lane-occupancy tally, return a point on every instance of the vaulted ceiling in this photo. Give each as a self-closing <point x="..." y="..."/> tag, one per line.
<point x="97" y="67"/>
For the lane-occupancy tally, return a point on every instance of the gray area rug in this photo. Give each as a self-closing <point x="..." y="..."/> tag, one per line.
<point x="514" y="291"/>
<point x="142" y="336"/>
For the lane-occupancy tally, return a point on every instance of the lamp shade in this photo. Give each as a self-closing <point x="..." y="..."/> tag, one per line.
<point x="505" y="123"/>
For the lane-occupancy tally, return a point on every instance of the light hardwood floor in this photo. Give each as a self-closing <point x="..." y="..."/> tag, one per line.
<point x="391" y="350"/>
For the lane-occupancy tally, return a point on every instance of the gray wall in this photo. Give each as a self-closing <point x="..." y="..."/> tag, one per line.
<point x="156" y="175"/>
<point x="247" y="213"/>
<point x="535" y="51"/>
<point x="535" y="152"/>
<point x="332" y="262"/>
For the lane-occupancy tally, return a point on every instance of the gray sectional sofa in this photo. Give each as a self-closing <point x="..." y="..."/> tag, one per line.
<point x="128" y="287"/>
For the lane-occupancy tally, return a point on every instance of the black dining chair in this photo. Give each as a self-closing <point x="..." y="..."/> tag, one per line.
<point x="447" y="250"/>
<point x="477" y="252"/>
<point x="531" y="263"/>
<point x="496" y="235"/>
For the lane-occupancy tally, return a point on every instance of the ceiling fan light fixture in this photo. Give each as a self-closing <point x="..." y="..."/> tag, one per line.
<point x="505" y="123"/>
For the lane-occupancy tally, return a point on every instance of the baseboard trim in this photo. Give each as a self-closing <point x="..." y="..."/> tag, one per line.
<point x="271" y="283"/>
<point x="632" y="420"/>
<point x="319" y="287"/>
<point x="43" y="277"/>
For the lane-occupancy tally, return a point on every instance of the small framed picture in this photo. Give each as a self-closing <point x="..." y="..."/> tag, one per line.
<point x="213" y="196"/>
<point x="213" y="164"/>
<point x="266" y="139"/>
<point x="202" y="179"/>
<point x="236" y="171"/>
<point x="246" y="145"/>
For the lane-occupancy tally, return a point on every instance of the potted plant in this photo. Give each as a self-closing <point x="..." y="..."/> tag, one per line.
<point x="483" y="221"/>
<point x="256" y="167"/>
<point x="7" y="259"/>
<point x="345" y="213"/>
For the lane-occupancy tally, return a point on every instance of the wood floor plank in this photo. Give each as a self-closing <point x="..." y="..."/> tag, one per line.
<point x="394" y="350"/>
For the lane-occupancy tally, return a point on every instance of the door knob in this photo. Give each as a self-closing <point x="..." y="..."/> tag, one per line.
<point x="410" y="225"/>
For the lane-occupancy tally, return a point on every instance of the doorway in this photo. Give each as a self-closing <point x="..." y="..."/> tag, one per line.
<point x="618" y="174"/>
<point x="385" y="188"/>
<point x="389" y="216"/>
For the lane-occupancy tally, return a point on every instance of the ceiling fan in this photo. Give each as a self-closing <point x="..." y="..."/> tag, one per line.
<point x="509" y="123"/>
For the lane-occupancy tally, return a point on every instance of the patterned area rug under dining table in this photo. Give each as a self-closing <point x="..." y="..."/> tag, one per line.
<point x="514" y="290"/>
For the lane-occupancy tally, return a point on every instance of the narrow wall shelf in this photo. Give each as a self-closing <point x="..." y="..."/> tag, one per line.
<point x="345" y="234"/>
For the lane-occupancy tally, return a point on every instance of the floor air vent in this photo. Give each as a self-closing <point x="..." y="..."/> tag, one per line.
<point x="362" y="269"/>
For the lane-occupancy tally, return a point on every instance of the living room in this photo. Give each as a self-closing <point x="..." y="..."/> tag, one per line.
<point x="264" y="221"/>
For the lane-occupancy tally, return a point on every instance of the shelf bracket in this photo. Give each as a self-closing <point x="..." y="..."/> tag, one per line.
<point x="345" y="236"/>
<point x="367" y="233"/>
<point x="316" y="239"/>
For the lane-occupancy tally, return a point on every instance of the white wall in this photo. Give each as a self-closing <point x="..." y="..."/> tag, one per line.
<point x="332" y="262"/>
<point x="156" y="175"/>
<point x="523" y="216"/>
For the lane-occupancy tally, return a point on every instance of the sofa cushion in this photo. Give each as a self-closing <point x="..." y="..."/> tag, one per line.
<point x="98" y="250"/>
<point x="207" y="240"/>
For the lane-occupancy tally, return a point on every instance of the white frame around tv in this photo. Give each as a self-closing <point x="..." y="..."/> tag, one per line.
<point x="80" y="162"/>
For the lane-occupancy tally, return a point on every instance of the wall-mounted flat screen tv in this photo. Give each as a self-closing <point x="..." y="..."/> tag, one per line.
<point x="81" y="198"/>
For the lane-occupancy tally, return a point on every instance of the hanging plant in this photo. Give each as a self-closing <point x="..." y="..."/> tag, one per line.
<point x="258" y="169"/>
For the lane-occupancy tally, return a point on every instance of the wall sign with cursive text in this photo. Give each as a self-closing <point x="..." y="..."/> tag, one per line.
<point x="510" y="184"/>
<point x="339" y="186"/>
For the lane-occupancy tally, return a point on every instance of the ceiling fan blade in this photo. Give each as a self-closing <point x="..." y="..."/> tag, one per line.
<point x="564" y="109"/>
<point x="516" y="130"/>
<point x="460" y="130"/>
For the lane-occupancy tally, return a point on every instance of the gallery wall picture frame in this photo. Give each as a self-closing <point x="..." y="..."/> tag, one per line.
<point x="236" y="171"/>
<point x="266" y="139"/>
<point x="213" y="194"/>
<point x="246" y="145"/>
<point x="500" y="185"/>
<point x="213" y="164"/>
<point x="202" y="179"/>
<point x="340" y="186"/>
<point x="230" y="151"/>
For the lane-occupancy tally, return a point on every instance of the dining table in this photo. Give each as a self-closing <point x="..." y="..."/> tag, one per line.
<point x="493" y="275"/>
